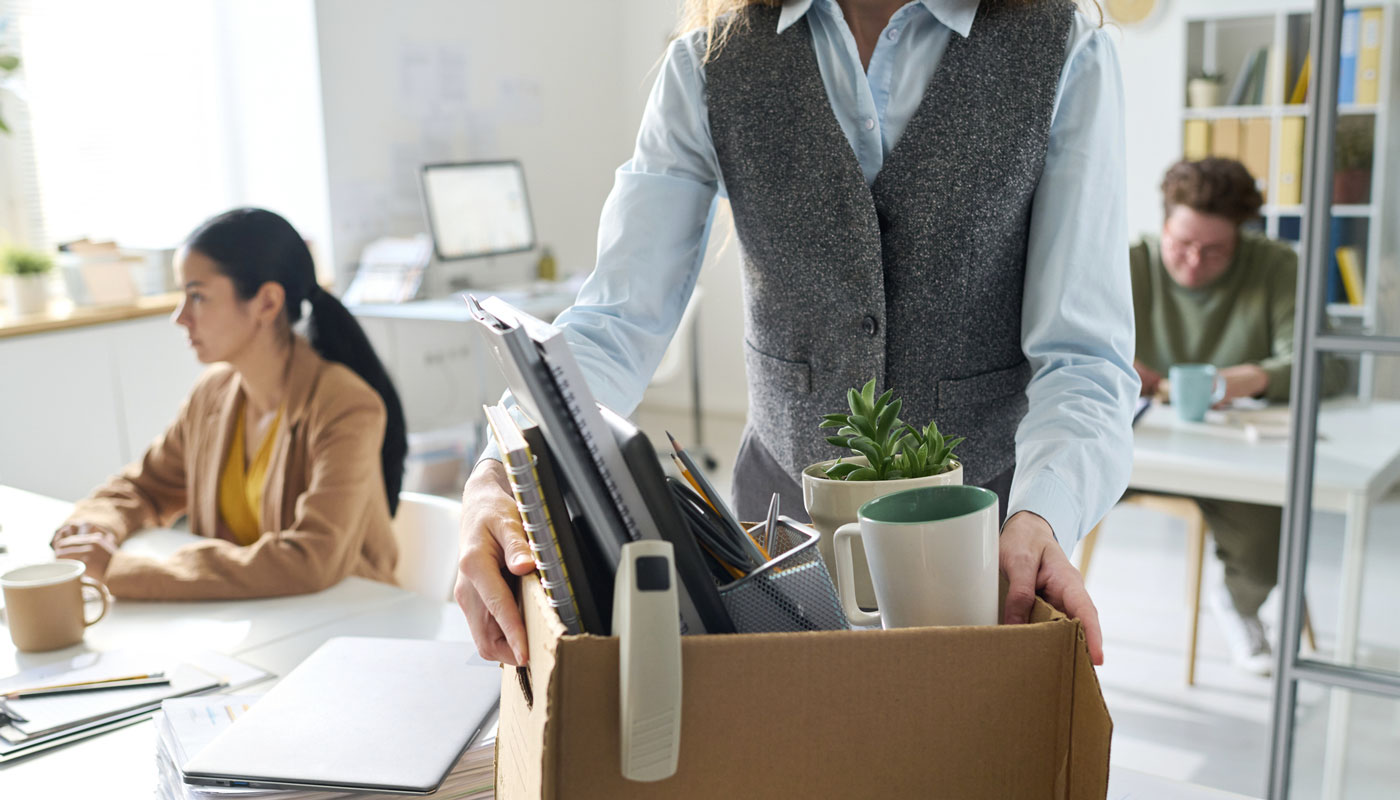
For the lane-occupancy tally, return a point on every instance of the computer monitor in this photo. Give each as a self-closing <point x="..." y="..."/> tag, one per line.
<point x="477" y="208"/>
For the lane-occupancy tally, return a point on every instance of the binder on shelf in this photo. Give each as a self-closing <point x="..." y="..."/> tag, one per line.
<point x="1290" y="163"/>
<point x="1196" y="139"/>
<point x="1225" y="138"/>
<point x="1254" y="151"/>
<point x="1300" y="87"/>
<point x="1349" y="265"/>
<point x="1368" y="57"/>
<point x="1346" y="62"/>
<point x="1241" y="91"/>
<point x="535" y="516"/>
<point x="1269" y="89"/>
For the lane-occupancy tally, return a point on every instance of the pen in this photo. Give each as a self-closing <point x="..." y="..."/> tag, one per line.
<point x="690" y="479"/>
<point x="152" y="679"/>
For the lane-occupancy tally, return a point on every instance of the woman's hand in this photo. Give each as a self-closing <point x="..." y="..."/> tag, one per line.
<point x="1034" y="562"/>
<point x="91" y="544"/>
<point x="492" y="540"/>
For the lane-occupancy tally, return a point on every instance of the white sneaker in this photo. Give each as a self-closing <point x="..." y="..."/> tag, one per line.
<point x="1249" y="644"/>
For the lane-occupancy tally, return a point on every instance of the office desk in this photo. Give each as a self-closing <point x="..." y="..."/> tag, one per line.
<point x="275" y="634"/>
<point x="1358" y="461"/>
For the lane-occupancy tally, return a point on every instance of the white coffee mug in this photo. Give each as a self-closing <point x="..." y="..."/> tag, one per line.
<point x="933" y="557"/>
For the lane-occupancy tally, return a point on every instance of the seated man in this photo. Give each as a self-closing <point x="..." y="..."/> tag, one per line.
<point x="1209" y="292"/>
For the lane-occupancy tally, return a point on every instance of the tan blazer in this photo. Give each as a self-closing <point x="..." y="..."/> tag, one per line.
<point x="324" y="510"/>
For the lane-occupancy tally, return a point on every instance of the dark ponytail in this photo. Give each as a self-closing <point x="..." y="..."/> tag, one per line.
<point x="253" y="246"/>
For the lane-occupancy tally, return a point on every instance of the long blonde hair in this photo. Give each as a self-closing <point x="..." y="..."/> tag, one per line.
<point x="721" y="18"/>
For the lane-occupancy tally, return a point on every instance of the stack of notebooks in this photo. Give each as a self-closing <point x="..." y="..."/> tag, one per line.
<point x="186" y="725"/>
<point x="93" y="693"/>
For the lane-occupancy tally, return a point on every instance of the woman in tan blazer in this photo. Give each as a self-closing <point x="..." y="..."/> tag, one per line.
<point x="288" y="454"/>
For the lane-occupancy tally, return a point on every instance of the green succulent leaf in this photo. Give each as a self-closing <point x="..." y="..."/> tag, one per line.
<point x="841" y="470"/>
<point x="863" y="474"/>
<point x="862" y="423"/>
<point x="839" y="441"/>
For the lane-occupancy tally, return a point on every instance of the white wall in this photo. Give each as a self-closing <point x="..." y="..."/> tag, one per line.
<point x="434" y="80"/>
<point x="270" y="94"/>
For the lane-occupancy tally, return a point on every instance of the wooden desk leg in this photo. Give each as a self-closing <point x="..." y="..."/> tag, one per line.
<point x="1195" y="561"/>
<point x="1086" y="550"/>
<point x="1348" y="624"/>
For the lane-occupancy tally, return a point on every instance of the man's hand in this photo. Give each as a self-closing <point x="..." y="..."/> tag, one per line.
<point x="1151" y="379"/>
<point x="1244" y="380"/>
<point x="87" y="543"/>
<point x="491" y="540"/>
<point x="1033" y="562"/>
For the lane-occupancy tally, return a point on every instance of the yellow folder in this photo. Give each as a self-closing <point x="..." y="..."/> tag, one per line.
<point x="1225" y="138"/>
<point x="1349" y="264"/>
<point x="1196" y="139"/>
<point x="1368" y="58"/>
<point x="1290" y="163"/>
<point x="1254" y="150"/>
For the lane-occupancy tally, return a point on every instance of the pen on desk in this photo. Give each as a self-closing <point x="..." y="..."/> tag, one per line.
<point x="152" y="679"/>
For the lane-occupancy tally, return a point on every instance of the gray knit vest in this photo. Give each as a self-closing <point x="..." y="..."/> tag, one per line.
<point x="915" y="281"/>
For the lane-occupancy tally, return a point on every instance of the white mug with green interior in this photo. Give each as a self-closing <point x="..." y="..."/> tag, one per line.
<point x="933" y="557"/>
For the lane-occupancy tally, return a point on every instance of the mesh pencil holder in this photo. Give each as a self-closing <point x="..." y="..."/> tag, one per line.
<point x="792" y="592"/>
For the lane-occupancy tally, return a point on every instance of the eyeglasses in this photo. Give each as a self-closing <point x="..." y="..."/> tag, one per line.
<point x="1214" y="252"/>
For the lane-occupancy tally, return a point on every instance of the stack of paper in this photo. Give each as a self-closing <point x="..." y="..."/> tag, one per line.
<point x="186" y="725"/>
<point x="30" y="723"/>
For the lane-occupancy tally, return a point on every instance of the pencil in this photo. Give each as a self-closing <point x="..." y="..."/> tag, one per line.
<point x="153" y="678"/>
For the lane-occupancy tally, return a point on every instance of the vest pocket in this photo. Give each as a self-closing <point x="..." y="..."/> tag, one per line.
<point x="774" y="373"/>
<point x="983" y="388"/>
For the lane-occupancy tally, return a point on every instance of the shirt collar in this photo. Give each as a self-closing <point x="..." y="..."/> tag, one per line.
<point x="956" y="14"/>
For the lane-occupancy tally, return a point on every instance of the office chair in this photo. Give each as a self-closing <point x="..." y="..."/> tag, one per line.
<point x="1186" y="510"/>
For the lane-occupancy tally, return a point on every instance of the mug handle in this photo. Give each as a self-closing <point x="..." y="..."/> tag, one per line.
<point x="1217" y="389"/>
<point x="845" y="575"/>
<point x="105" y="596"/>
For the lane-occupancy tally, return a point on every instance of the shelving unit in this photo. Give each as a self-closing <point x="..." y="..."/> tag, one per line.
<point x="1221" y="43"/>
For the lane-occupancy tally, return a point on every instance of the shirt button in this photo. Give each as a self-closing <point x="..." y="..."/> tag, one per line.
<point x="870" y="326"/>
<point x="892" y="34"/>
<point x="870" y="123"/>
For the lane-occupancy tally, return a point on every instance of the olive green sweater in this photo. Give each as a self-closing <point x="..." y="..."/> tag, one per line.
<point x="1245" y="317"/>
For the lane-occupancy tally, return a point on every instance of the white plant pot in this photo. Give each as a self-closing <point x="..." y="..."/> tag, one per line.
<point x="27" y="294"/>
<point x="1201" y="93"/>
<point x="832" y="503"/>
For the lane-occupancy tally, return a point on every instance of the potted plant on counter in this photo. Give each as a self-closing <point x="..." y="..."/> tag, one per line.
<point x="887" y="455"/>
<point x="26" y="277"/>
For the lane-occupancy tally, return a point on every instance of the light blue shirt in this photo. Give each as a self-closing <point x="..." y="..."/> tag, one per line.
<point x="1074" y="447"/>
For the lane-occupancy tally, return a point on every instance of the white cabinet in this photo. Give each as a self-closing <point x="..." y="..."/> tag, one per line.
<point x="77" y="405"/>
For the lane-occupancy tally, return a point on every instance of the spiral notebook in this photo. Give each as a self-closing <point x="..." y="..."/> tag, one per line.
<point x="546" y="380"/>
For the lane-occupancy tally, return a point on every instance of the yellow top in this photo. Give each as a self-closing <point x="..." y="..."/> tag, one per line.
<point x="241" y="487"/>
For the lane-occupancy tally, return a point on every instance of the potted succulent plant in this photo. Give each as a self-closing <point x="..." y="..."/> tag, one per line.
<point x="886" y="455"/>
<point x="1203" y="90"/>
<point x="26" y="276"/>
<point x="1351" y="172"/>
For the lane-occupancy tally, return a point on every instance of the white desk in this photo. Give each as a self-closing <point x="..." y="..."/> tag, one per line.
<point x="274" y="634"/>
<point x="1358" y="461"/>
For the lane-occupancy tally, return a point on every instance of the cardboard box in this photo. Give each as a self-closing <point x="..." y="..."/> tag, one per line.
<point x="989" y="712"/>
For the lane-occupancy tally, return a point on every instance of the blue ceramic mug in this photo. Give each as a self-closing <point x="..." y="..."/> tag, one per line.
<point x="1194" y="389"/>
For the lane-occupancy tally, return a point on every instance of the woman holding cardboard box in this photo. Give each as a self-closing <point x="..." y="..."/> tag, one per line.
<point x="288" y="454"/>
<point x="930" y="192"/>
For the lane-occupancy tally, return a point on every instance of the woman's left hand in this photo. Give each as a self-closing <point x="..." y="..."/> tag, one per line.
<point x="1034" y="563"/>
<point x="93" y="547"/>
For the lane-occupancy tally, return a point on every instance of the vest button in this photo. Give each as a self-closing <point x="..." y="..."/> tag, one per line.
<point x="870" y="325"/>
